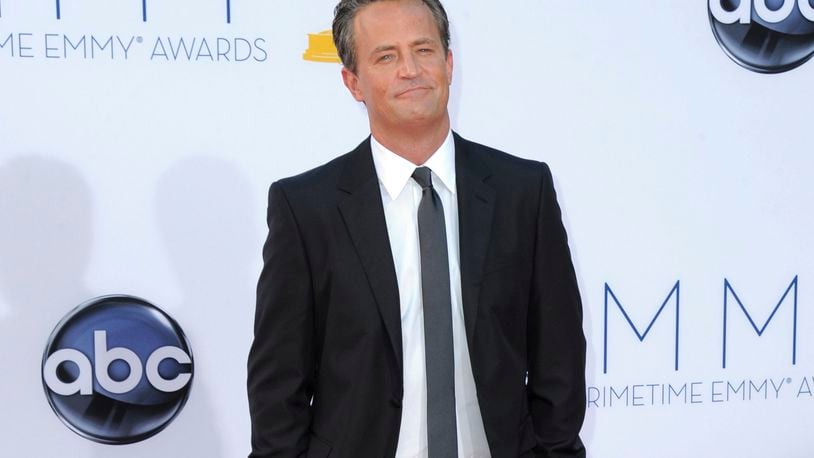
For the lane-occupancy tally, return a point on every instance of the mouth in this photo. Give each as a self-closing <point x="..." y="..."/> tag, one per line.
<point x="418" y="90"/>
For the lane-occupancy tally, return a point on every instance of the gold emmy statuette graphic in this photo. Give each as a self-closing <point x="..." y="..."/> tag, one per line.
<point x="321" y="48"/>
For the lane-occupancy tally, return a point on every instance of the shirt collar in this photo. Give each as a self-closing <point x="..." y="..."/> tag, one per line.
<point x="394" y="171"/>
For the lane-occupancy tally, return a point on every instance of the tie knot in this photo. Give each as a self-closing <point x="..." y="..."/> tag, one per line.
<point x="423" y="177"/>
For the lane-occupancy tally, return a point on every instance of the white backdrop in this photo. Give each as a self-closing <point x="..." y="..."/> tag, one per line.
<point x="146" y="173"/>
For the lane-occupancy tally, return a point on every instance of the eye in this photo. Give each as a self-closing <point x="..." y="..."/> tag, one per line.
<point x="385" y="58"/>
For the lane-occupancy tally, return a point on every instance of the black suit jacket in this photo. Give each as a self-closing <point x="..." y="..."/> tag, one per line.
<point x="325" y="368"/>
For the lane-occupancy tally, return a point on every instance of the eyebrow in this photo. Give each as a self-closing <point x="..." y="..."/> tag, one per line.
<point x="418" y="42"/>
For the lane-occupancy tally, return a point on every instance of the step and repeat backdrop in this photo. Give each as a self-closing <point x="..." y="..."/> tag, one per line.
<point x="138" y="139"/>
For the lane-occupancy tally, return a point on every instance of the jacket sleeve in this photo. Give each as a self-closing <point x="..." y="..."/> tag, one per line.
<point x="281" y="367"/>
<point x="556" y="344"/>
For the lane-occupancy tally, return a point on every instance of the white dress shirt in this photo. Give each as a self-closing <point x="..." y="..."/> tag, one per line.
<point x="401" y="196"/>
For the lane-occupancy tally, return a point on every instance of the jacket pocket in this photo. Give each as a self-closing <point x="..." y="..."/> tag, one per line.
<point x="528" y="440"/>
<point x="318" y="448"/>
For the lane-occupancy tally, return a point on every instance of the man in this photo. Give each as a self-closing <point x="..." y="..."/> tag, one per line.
<point x="418" y="296"/>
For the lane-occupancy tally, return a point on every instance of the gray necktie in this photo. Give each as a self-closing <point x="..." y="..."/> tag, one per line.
<point x="440" y="360"/>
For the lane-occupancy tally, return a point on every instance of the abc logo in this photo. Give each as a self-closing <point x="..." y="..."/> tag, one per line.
<point x="765" y="36"/>
<point x="117" y="370"/>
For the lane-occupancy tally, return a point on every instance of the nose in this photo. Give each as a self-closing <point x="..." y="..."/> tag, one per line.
<point x="409" y="67"/>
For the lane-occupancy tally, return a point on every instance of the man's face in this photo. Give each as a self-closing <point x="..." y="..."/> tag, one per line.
<point x="402" y="73"/>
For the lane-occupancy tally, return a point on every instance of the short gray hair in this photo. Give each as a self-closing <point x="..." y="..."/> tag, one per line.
<point x="345" y="12"/>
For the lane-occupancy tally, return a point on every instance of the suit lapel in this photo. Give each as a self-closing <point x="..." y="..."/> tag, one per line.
<point x="363" y="214"/>
<point x="476" y="201"/>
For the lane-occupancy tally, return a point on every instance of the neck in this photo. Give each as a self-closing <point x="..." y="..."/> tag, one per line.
<point x="416" y="145"/>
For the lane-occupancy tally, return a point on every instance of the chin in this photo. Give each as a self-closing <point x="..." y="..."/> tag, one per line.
<point x="419" y="120"/>
<point x="421" y="113"/>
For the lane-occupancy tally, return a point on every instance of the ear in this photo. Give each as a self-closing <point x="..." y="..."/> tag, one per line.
<point x="449" y="67"/>
<point x="352" y="83"/>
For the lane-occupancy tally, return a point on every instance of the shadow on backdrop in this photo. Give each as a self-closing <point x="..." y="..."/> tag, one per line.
<point x="198" y="203"/>
<point x="45" y="242"/>
<point x="203" y="210"/>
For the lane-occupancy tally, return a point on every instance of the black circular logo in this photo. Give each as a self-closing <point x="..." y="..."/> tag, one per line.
<point x="117" y="369"/>
<point x="765" y="36"/>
